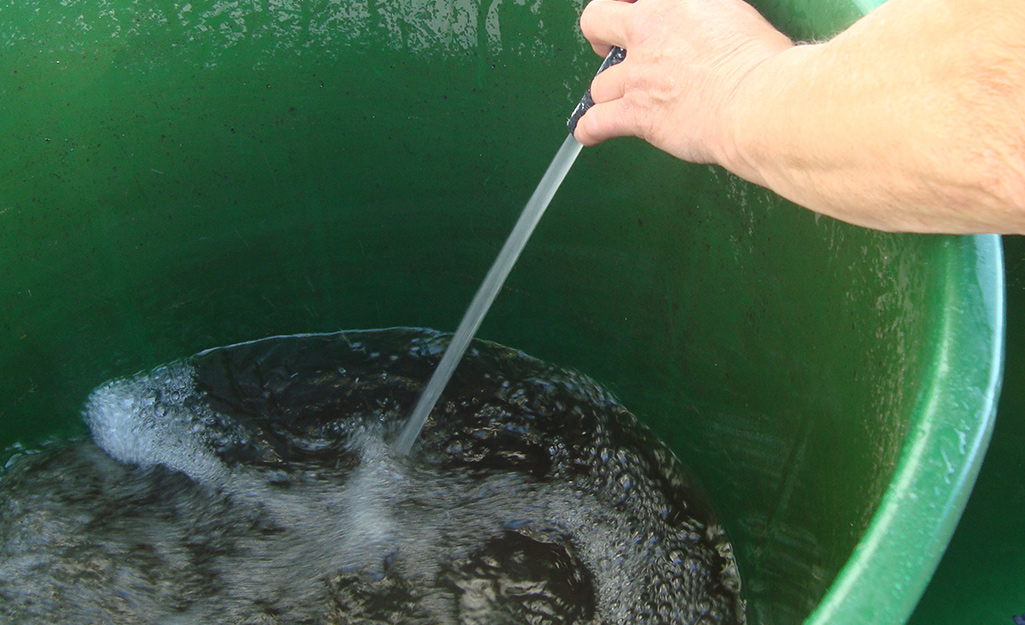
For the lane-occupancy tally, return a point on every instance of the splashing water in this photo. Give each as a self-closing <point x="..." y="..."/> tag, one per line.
<point x="254" y="483"/>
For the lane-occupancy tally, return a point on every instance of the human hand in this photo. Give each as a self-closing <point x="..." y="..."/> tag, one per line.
<point x="685" y="60"/>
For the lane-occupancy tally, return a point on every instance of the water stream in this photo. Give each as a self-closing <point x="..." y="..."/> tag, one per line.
<point x="487" y="292"/>
<point x="499" y="271"/>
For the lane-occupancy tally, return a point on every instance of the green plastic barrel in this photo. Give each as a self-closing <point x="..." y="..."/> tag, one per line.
<point x="980" y="579"/>
<point x="180" y="175"/>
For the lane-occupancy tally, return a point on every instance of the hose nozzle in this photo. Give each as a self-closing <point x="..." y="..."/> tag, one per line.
<point x="616" y="55"/>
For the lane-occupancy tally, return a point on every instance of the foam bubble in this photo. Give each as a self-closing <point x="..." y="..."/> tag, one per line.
<point x="153" y="420"/>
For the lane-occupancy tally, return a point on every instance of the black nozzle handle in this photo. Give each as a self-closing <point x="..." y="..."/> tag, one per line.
<point x="616" y="55"/>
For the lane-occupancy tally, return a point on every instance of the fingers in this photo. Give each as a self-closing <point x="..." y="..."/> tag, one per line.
<point x="603" y="24"/>
<point x="604" y="121"/>
<point x="608" y="116"/>
<point x="610" y="84"/>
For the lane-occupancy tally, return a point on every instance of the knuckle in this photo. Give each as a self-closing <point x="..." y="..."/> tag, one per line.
<point x="588" y="18"/>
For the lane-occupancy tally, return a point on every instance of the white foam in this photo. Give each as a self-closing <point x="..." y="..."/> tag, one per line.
<point x="389" y="511"/>
<point x="148" y="420"/>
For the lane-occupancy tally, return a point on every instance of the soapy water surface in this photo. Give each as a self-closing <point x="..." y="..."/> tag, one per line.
<point x="255" y="484"/>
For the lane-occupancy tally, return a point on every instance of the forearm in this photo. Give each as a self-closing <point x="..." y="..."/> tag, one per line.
<point x="912" y="120"/>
